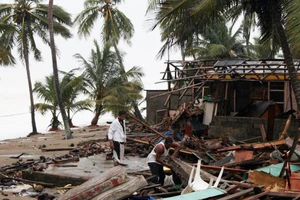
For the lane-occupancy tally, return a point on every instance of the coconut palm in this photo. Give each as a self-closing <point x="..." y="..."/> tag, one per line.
<point x="115" y="25"/>
<point x="218" y="41"/>
<point x="98" y="71"/>
<point x="29" y="19"/>
<point x="125" y="92"/>
<point x="6" y="58"/>
<point x="68" y="132"/>
<point x="46" y="92"/>
<point x="273" y="17"/>
<point x="71" y="87"/>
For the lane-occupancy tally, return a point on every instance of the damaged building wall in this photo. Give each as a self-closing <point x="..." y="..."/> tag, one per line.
<point x="243" y="128"/>
<point x="156" y="110"/>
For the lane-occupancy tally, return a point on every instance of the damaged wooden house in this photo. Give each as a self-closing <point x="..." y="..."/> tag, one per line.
<point x="242" y="94"/>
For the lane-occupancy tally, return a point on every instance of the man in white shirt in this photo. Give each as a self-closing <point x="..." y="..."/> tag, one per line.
<point x="117" y="137"/>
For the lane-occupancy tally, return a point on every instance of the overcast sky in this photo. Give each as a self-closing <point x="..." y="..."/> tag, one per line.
<point x="145" y="45"/>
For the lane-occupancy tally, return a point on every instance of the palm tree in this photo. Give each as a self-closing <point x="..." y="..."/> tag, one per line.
<point x="115" y="25"/>
<point x="125" y="92"/>
<point x="46" y="92"/>
<point x="68" y="132"/>
<point x="264" y="49"/>
<point x="273" y="17"/>
<point x="71" y="87"/>
<point x="6" y="58"/>
<point x="29" y="19"/>
<point x="218" y="41"/>
<point x="98" y="71"/>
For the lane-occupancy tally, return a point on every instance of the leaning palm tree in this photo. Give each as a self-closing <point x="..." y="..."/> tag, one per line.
<point x="125" y="92"/>
<point x="29" y="19"/>
<point x="68" y="132"/>
<point x="115" y="25"/>
<point x="273" y="17"/>
<point x="98" y="71"/>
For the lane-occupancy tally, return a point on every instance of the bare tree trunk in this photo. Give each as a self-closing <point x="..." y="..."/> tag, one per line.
<point x="34" y="129"/>
<point x="60" y="102"/>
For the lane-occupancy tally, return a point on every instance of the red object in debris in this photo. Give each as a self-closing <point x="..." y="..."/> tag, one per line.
<point x="205" y="132"/>
<point x="188" y="129"/>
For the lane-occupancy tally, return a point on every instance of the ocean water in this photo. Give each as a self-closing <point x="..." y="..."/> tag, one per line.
<point x="19" y="125"/>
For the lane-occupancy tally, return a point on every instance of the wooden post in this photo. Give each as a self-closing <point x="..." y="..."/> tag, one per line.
<point x="286" y="127"/>
<point x="169" y="89"/>
<point x="270" y="125"/>
<point x="215" y="101"/>
<point x="234" y="100"/>
<point x="263" y="133"/>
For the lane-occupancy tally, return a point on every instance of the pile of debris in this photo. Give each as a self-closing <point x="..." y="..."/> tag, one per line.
<point x="206" y="168"/>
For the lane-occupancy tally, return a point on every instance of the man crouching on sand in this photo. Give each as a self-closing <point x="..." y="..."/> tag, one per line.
<point x="156" y="158"/>
<point x="117" y="138"/>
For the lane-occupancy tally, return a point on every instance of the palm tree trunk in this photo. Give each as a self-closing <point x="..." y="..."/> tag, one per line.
<point x="26" y="55"/>
<point x="95" y="120"/>
<point x="137" y="112"/>
<point x="288" y="57"/>
<point x="68" y="133"/>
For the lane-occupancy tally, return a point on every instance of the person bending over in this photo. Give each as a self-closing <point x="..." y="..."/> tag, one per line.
<point x="155" y="159"/>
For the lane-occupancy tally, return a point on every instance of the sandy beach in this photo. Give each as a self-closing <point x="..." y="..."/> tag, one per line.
<point x="31" y="147"/>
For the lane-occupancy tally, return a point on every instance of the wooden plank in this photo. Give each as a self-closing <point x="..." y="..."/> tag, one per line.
<point x="253" y="146"/>
<point x="57" y="180"/>
<point x="203" y="194"/>
<point x="255" y="197"/>
<point x="225" y="168"/>
<point x="58" y="149"/>
<point x="146" y="125"/>
<point x="283" y="194"/>
<point x="248" y="162"/>
<point x="286" y="127"/>
<point x="263" y="133"/>
<point x="237" y="194"/>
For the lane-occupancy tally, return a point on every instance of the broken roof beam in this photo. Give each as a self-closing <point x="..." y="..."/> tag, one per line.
<point x="169" y="96"/>
<point x="170" y="92"/>
<point x="146" y="125"/>
<point x="190" y="83"/>
<point x="254" y="146"/>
